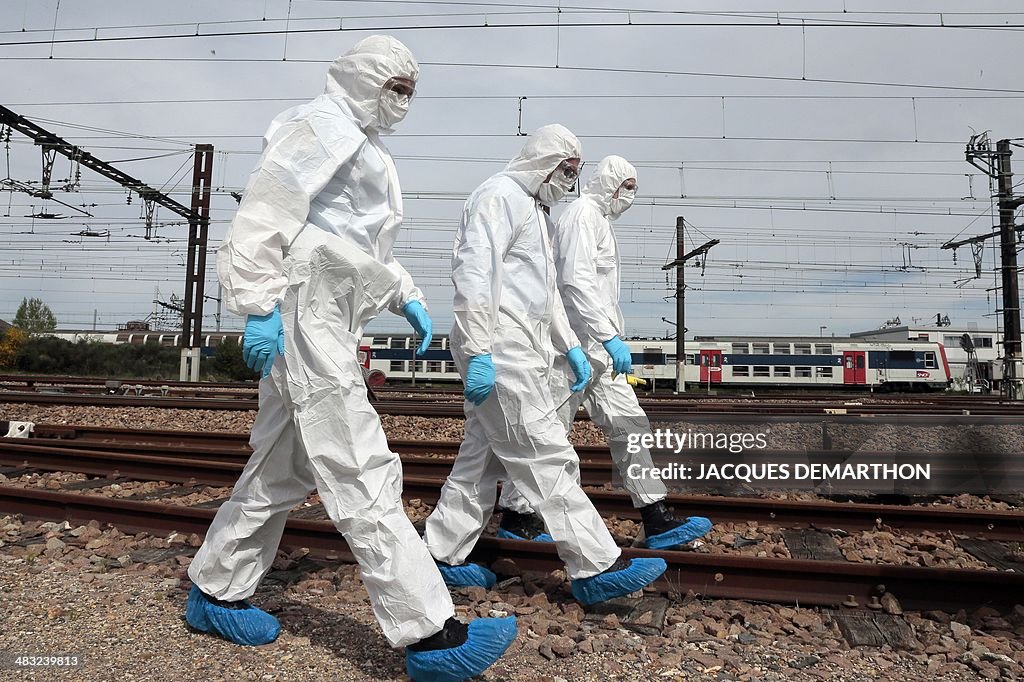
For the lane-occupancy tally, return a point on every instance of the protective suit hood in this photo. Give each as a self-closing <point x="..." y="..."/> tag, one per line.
<point x="358" y="76"/>
<point x="609" y="175"/>
<point x="546" y="148"/>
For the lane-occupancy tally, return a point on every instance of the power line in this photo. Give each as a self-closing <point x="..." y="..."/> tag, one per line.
<point x="667" y="72"/>
<point x="515" y="98"/>
<point x="518" y="9"/>
<point x="585" y="135"/>
<point x="775" y="20"/>
<point x="552" y="67"/>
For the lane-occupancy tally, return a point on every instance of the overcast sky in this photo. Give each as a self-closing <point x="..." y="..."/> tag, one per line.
<point x="824" y="149"/>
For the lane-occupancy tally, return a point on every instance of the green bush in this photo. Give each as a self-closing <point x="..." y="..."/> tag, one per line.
<point x="228" y="362"/>
<point x="50" y="355"/>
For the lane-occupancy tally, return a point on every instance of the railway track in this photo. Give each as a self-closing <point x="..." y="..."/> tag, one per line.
<point x="454" y="391"/>
<point x="822" y="583"/>
<point x="655" y="409"/>
<point x="216" y="459"/>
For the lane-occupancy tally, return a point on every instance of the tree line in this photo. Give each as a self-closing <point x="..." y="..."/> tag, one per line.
<point x="25" y="346"/>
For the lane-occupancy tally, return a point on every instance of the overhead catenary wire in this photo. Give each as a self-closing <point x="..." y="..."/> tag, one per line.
<point x="775" y="20"/>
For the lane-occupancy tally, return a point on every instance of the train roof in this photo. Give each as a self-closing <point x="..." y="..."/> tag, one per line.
<point x="949" y="331"/>
<point x="769" y="339"/>
<point x="140" y="331"/>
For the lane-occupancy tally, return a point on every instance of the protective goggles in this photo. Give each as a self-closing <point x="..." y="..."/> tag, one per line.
<point x="567" y="171"/>
<point x="401" y="86"/>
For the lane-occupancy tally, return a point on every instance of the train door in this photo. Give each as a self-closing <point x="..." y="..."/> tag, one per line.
<point x="855" y="367"/>
<point x="711" y="366"/>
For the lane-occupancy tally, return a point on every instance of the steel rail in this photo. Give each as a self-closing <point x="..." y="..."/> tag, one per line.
<point x="420" y="408"/>
<point x="424" y="475"/>
<point x="820" y="583"/>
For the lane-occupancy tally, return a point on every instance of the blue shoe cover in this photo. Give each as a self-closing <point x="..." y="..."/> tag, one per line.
<point x="695" y="527"/>
<point x="250" y="626"/>
<point x="467" y="575"/>
<point x="509" y="535"/>
<point x="605" y="586"/>
<point x="488" y="639"/>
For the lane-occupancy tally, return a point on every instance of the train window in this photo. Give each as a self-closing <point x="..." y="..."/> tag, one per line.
<point x="420" y="365"/>
<point x="761" y="371"/>
<point x="741" y="348"/>
<point x="689" y="358"/>
<point x="823" y="372"/>
<point x="952" y="340"/>
<point x="760" y="349"/>
<point x="435" y="342"/>
<point x="782" y="371"/>
<point x="929" y="360"/>
<point x="823" y="348"/>
<point x="652" y="356"/>
<point x="980" y="342"/>
<point x="803" y="372"/>
<point x="449" y="366"/>
<point x="434" y="365"/>
<point x="670" y="359"/>
<point x="802" y="348"/>
<point x="901" y="355"/>
<point x="740" y="371"/>
<point x="379" y="341"/>
<point x="397" y="366"/>
<point x="782" y="349"/>
<point x="396" y="342"/>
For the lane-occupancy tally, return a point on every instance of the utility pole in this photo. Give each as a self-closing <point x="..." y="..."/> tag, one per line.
<point x="198" y="215"/>
<point x="680" y="309"/>
<point x="996" y="164"/>
<point x="679" y="263"/>
<point x="195" y="275"/>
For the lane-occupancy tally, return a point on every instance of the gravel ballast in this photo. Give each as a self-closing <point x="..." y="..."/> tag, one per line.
<point x="78" y="590"/>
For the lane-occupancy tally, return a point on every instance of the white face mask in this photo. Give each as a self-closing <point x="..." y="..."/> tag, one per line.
<point x="393" y="108"/>
<point x="549" y="194"/>
<point x="618" y="205"/>
<point x="554" y="189"/>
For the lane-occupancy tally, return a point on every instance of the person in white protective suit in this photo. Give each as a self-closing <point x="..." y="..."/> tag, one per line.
<point x="586" y="258"/>
<point x="509" y="326"/>
<point x="308" y="259"/>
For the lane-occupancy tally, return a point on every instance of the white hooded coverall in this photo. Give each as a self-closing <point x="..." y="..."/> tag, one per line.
<point x="507" y="304"/>
<point x="314" y="233"/>
<point x="586" y="256"/>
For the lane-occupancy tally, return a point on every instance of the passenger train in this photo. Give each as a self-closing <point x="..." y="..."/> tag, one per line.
<point x="712" y="361"/>
<point x="742" y="362"/>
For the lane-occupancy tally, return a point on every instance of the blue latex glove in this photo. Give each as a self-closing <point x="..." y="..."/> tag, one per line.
<point x="580" y="367"/>
<point x="479" y="378"/>
<point x="420" y="321"/>
<point x="622" y="359"/>
<point x="264" y="334"/>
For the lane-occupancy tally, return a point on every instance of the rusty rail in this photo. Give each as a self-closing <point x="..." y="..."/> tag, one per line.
<point x="219" y="465"/>
<point x="821" y="583"/>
